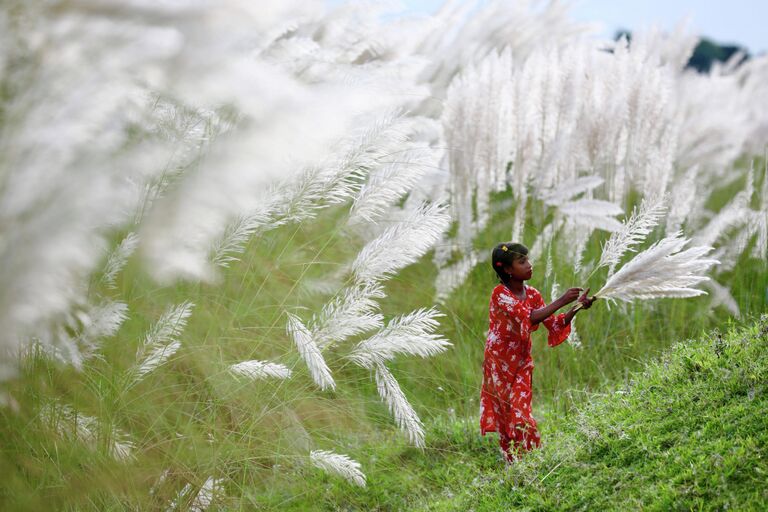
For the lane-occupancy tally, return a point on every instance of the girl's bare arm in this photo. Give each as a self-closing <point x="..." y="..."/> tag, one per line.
<point x="585" y="301"/>
<point x="538" y="315"/>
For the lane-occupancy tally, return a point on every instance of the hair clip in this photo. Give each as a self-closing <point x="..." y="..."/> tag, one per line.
<point x="504" y="248"/>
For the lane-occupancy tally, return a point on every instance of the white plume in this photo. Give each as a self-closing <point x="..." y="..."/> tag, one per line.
<point x="721" y="296"/>
<point x="681" y="200"/>
<point x="389" y="183"/>
<point x="87" y="429"/>
<point x="633" y="232"/>
<point x="406" y="334"/>
<point x="156" y="357"/>
<point x="338" y="464"/>
<point x="310" y="353"/>
<point x="451" y="276"/>
<point x="353" y="311"/>
<point x="660" y="271"/>
<point x="401" y="244"/>
<point x="118" y="258"/>
<point x="260" y="369"/>
<point x="405" y="417"/>
<point x="210" y="491"/>
<point x="161" y="342"/>
<point x="593" y="213"/>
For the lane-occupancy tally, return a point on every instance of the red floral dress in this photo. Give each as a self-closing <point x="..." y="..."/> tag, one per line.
<point x="505" y="398"/>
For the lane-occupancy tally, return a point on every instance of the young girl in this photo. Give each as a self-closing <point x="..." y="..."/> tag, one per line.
<point x="516" y="310"/>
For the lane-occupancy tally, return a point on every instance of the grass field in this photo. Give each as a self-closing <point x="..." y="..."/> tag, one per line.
<point x="190" y="419"/>
<point x="685" y="433"/>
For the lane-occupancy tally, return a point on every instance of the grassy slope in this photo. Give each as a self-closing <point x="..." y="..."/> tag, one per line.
<point x="690" y="432"/>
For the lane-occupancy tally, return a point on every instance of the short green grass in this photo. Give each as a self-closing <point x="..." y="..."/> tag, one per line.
<point x="688" y="433"/>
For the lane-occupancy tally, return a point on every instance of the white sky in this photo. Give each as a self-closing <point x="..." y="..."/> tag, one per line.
<point x="743" y="22"/>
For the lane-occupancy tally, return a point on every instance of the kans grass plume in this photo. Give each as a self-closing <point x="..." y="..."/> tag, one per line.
<point x="405" y="416"/>
<point x="256" y="370"/>
<point x="310" y="353"/>
<point x="161" y="342"/>
<point x="338" y="464"/>
<point x="71" y="424"/>
<point x="663" y="270"/>
<point x="401" y="244"/>
<point x="353" y="311"/>
<point x="407" y="334"/>
<point x="632" y="233"/>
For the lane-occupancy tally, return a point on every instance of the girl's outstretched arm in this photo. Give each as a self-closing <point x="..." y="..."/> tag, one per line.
<point x="538" y="315"/>
<point x="585" y="303"/>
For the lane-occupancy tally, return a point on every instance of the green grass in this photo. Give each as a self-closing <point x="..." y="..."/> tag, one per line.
<point x="688" y="432"/>
<point x="190" y="419"/>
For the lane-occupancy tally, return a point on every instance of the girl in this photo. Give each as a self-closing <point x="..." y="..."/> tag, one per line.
<point x="516" y="310"/>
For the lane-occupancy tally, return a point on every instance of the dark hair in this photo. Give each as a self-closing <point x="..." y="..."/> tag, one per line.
<point x="504" y="254"/>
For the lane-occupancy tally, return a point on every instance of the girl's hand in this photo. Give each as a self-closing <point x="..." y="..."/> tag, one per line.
<point x="585" y="301"/>
<point x="570" y="295"/>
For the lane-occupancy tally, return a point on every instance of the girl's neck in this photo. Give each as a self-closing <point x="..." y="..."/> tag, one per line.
<point x="516" y="287"/>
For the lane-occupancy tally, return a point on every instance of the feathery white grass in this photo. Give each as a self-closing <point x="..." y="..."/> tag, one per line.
<point x="389" y="183"/>
<point x="338" y="464"/>
<point x="87" y="429"/>
<point x="732" y="216"/>
<point x="730" y="252"/>
<point x="405" y="416"/>
<point x="92" y="323"/>
<point x="760" y="218"/>
<point x="401" y="244"/>
<point x="301" y="198"/>
<point x="593" y="213"/>
<point x="210" y="490"/>
<point x="748" y="222"/>
<point x="180" y="497"/>
<point x="353" y="311"/>
<point x="161" y="342"/>
<point x="106" y="319"/>
<point x="574" y="239"/>
<point x="102" y="321"/>
<point x="478" y="29"/>
<point x="721" y="296"/>
<point x="632" y="233"/>
<point x="450" y="277"/>
<point x="662" y="270"/>
<point x="309" y="352"/>
<point x="260" y="369"/>
<point x="156" y="358"/>
<point x="544" y="239"/>
<point x="236" y="236"/>
<point x="121" y="448"/>
<point x="406" y="334"/>
<point x="329" y="283"/>
<point x="681" y="200"/>
<point x="170" y="325"/>
<point x="118" y="258"/>
<point x="569" y="189"/>
<point x="336" y="182"/>
<point x="285" y="97"/>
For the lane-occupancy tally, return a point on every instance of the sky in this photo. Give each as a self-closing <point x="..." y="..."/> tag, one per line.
<point x="742" y="22"/>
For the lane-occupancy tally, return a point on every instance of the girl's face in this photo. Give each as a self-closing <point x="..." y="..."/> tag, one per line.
<point x="520" y="269"/>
